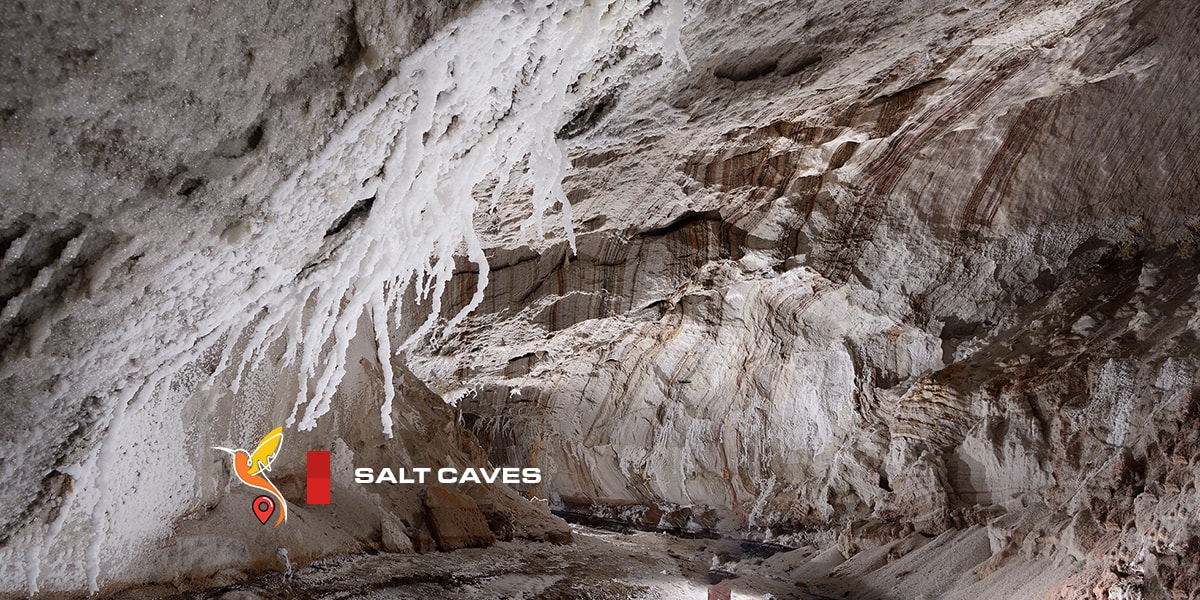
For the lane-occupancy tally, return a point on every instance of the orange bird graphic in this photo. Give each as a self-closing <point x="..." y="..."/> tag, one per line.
<point x="251" y="467"/>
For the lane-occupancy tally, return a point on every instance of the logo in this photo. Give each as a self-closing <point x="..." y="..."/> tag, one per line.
<point x="251" y="469"/>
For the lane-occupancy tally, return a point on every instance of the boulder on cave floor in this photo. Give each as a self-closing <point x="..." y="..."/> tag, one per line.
<point x="455" y="520"/>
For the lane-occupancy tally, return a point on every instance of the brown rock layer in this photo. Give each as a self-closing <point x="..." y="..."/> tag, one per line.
<point x="455" y="520"/>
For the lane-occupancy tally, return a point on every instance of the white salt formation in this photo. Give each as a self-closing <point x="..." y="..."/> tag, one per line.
<point x="893" y="283"/>
<point x="373" y="217"/>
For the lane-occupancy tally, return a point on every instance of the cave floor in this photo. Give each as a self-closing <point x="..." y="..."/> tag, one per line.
<point x="598" y="565"/>
<point x="607" y="565"/>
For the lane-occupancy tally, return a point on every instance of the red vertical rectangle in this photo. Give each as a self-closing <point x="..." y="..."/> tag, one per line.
<point x="317" y="489"/>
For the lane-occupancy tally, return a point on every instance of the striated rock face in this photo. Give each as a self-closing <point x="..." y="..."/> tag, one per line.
<point x="866" y="270"/>
<point x="905" y="283"/>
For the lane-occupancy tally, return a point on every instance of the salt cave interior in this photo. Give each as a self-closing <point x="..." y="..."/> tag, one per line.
<point x="779" y="299"/>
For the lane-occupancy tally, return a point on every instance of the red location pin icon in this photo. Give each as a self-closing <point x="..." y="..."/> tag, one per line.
<point x="263" y="507"/>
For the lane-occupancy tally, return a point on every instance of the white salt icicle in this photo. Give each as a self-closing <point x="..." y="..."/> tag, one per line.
<point x="383" y="342"/>
<point x="672" y="30"/>
<point x="560" y="157"/>
<point x="483" y="97"/>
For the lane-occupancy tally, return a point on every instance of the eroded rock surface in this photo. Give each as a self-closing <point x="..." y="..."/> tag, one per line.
<point x="897" y="283"/>
<point x="872" y="271"/>
<point x="456" y="520"/>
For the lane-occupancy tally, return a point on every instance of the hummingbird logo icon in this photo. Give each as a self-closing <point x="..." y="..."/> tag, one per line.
<point x="251" y="469"/>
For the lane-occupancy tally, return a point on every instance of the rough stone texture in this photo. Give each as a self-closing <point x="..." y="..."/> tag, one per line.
<point x="914" y="282"/>
<point x="163" y="169"/>
<point x="456" y="520"/>
<point x="395" y="539"/>
<point x="140" y="146"/>
<point x="867" y="270"/>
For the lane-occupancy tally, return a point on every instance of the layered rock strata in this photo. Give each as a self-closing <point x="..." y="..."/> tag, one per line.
<point x="854" y="276"/>
<point x="871" y="271"/>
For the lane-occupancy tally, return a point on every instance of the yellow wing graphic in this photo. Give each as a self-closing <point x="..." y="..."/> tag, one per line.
<point x="264" y="454"/>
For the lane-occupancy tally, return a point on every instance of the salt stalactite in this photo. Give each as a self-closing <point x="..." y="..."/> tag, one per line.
<point x="482" y="98"/>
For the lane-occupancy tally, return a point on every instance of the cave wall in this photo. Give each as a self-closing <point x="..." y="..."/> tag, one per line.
<point x="212" y="216"/>
<point x="868" y="270"/>
<point x="846" y="272"/>
<point x="141" y="143"/>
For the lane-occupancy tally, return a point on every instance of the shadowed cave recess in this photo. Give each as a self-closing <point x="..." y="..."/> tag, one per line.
<point x="853" y="299"/>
